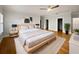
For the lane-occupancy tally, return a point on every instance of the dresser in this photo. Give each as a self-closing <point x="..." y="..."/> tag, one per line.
<point x="74" y="44"/>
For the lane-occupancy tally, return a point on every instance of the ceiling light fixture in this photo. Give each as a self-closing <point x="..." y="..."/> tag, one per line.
<point x="49" y="9"/>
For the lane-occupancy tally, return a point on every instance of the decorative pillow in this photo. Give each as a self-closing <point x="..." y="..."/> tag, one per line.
<point x="31" y="26"/>
<point x="24" y="27"/>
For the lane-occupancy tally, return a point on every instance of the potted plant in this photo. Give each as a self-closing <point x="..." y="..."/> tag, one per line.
<point x="67" y="27"/>
<point x="77" y="31"/>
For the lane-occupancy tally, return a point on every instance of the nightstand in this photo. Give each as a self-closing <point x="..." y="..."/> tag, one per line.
<point x="14" y="33"/>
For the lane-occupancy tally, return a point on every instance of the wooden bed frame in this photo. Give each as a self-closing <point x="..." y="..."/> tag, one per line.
<point x="34" y="48"/>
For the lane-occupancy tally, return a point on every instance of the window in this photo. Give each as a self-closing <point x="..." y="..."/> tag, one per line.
<point x="75" y="23"/>
<point x="1" y="23"/>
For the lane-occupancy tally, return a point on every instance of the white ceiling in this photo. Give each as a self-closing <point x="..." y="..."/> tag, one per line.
<point x="35" y="9"/>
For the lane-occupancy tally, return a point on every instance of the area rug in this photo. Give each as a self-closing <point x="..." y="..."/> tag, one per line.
<point x="52" y="48"/>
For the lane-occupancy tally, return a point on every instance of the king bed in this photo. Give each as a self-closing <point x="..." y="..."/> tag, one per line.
<point x="32" y="39"/>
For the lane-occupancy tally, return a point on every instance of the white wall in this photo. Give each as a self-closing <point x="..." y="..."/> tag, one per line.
<point x="17" y="18"/>
<point x="53" y="20"/>
<point x="75" y="15"/>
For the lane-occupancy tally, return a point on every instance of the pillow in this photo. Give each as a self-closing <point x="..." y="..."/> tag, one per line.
<point x="24" y="27"/>
<point x="31" y="26"/>
<point x="24" y="31"/>
<point x="21" y="31"/>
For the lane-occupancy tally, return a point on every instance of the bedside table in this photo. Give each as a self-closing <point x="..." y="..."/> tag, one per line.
<point x="13" y="34"/>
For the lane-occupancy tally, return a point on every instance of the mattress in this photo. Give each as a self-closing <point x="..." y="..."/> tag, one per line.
<point x="33" y="37"/>
<point x="38" y="39"/>
<point x="26" y="34"/>
<point x="32" y="33"/>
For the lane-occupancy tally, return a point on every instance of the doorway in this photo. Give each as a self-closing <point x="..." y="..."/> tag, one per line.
<point x="41" y="24"/>
<point x="60" y="24"/>
<point x="47" y="24"/>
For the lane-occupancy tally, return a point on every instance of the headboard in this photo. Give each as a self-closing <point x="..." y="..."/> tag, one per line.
<point x="26" y="26"/>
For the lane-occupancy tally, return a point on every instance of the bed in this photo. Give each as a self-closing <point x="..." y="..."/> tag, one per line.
<point x="32" y="39"/>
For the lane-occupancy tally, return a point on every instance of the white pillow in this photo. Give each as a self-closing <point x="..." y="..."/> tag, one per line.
<point x="24" y="27"/>
<point x="31" y="26"/>
<point x="23" y="31"/>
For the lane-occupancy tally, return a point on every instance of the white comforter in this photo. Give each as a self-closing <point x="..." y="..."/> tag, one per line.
<point x="38" y="39"/>
<point x="34" y="36"/>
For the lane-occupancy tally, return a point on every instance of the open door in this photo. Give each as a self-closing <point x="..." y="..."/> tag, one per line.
<point x="60" y="24"/>
<point x="47" y="24"/>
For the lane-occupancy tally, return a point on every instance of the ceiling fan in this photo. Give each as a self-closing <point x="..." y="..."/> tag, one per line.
<point x="50" y="7"/>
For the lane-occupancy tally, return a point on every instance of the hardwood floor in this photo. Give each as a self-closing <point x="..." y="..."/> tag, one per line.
<point x="7" y="45"/>
<point x="65" y="48"/>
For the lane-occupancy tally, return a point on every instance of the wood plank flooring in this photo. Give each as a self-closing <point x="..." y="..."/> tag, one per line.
<point x="65" y="48"/>
<point x="7" y="45"/>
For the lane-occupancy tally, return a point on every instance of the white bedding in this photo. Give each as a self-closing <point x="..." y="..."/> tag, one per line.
<point x="19" y="47"/>
<point x="25" y="34"/>
<point x="38" y="39"/>
<point x="34" y="36"/>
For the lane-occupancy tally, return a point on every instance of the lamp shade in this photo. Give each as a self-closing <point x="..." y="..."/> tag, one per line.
<point x="37" y="24"/>
<point x="26" y="20"/>
<point x="14" y="25"/>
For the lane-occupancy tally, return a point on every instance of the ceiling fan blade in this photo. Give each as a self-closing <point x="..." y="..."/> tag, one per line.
<point x="55" y="6"/>
<point x="50" y="7"/>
